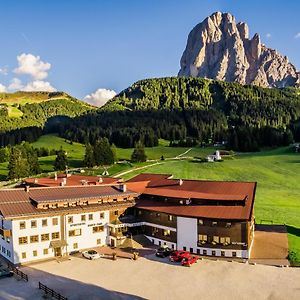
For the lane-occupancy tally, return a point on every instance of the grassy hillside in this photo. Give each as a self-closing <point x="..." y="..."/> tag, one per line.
<point x="24" y="109"/>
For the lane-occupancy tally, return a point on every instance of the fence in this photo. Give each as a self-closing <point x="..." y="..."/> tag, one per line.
<point x="17" y="272"/>
<point x="51" y="292"/>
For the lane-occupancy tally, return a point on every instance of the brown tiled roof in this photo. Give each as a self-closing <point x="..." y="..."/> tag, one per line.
<point x="173" y="193"/>
<point x="227" y="191"/>
<point x="18" y="202"/>
<point x="197" y="211"/>
<point x="72" y="180"/>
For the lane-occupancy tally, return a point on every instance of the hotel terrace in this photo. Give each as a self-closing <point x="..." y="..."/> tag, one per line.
<point x="53" y="217"/>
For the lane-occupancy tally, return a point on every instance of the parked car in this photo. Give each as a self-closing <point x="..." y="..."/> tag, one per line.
<point x="5" y="273"/>
<point x="178" y="255"/>
<point x="188" y="261"/>
<point x="163" y="252"/>
<point x="91" y="254"/>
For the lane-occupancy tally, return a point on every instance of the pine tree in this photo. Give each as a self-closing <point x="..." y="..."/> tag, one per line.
<point x="89" y="160"/>
<point x="61" y="161"/>
<point x="103" y="153"/>
<point x="18" y="166"/>
<point x="138" y="154"/>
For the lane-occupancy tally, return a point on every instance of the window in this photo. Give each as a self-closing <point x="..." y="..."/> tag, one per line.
<point x="33" y="224"/>
<point x="82" y="218"/>
<point x="170" y="218"/>
<point x="154" y="230"/>
<point x="34" y="239"/>
<point x="234" y="254"/>
<point x="198" y="251"/>
<point x="45" y="251"/>
<point x="70" y="219"/>
<point x="158" y="215"/>
<point x="167" y="232"/>
<point x="202" y="238"/>
<point x="55" y="221"/>
<point x="44" y="222"/>
<point x="213" y="253"/>
<point x="216" y="240"/>
<point x="23" y="255"/>
<point x="228" y="224"/>
<point x="139" y="212"/>
<point x="222" y="253"/>
<point x="225" y="240"/>
<point x="34" y="252"/>
<point x="116" y="213"/>
<point x="98" y="229"/>
<point x="102" y="215"/>
<point x="200" y="222"/>
<point x="98" y="241"/>
<point x="55" y="235"/>
<point x="45" y="237"/>
<point x="184" y="248"/>
<point x="75" y="245"/>
<point x="191" y="250"/>
<point x="90" y="217"/>
<point x="23" y="240"/>
<point x="214" y="223"/>
<point x="22" y="225"/>
<point x="75" y="232"/>
<point x="204" y="252"/>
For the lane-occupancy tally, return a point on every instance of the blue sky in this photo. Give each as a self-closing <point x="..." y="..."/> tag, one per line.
<point x="111" y="44"/>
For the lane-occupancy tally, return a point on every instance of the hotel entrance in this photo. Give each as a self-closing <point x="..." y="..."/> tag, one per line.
<point x="57" y="252"/>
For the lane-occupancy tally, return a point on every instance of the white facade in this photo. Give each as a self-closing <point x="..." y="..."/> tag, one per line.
<point x="187" y="233"/>
<point x="32" y="237"/>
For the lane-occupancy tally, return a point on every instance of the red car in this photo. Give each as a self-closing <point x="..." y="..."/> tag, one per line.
<point x="178" y="255"/>
<point x="188" y="261"/>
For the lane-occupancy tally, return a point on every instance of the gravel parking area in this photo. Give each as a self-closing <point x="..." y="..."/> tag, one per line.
<point x="154" y="278"/>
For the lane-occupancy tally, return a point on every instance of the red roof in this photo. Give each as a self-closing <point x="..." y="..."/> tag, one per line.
<point x="221" y="191"/>
<point x="71" y="180"/>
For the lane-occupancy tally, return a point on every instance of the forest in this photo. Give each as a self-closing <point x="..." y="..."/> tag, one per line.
<point x="245" y="118"/>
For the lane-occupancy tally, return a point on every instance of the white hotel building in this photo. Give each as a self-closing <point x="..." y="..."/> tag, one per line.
<point x="45" y="222"/>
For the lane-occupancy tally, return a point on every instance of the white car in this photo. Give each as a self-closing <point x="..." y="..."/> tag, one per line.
<point x="91" y="254"/>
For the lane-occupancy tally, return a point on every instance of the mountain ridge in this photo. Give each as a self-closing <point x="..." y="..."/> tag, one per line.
<point x="220" y="48"/>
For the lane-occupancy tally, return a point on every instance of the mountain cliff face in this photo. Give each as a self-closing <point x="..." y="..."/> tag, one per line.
<point x="219" y="48"/>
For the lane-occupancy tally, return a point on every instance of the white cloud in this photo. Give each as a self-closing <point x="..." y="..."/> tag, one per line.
<point x="15" y="84"/>
<point x="268" y="35"/>
<point x="32" y="65"/>
<point x="39" y="86"/>
<point x="297" y="35"/>
<point x="100" y="97"/>
<point x="2" y="88"/>
<point x="4" y="71"/>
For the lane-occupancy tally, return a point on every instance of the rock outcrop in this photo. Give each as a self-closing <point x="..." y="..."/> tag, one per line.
<point x="219" y="48"/>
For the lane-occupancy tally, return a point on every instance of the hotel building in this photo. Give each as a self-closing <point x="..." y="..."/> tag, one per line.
<point x="52" y="219"/>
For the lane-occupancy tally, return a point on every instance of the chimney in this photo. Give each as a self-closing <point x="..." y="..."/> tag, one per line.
<point x="55" y="176"/>
<point x="27" y="188"/>
<point x="123" y="187"/>
<point x="180" y="181"/>
<point x="63" y="182"/>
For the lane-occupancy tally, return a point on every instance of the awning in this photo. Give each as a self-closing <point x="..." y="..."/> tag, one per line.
<point x="58" y="244"/>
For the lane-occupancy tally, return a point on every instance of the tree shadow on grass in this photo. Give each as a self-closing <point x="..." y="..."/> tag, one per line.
<point x="293" y="230"/>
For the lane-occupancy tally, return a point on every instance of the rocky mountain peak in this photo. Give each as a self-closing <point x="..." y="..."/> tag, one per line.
<point x="219" y="48"/>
